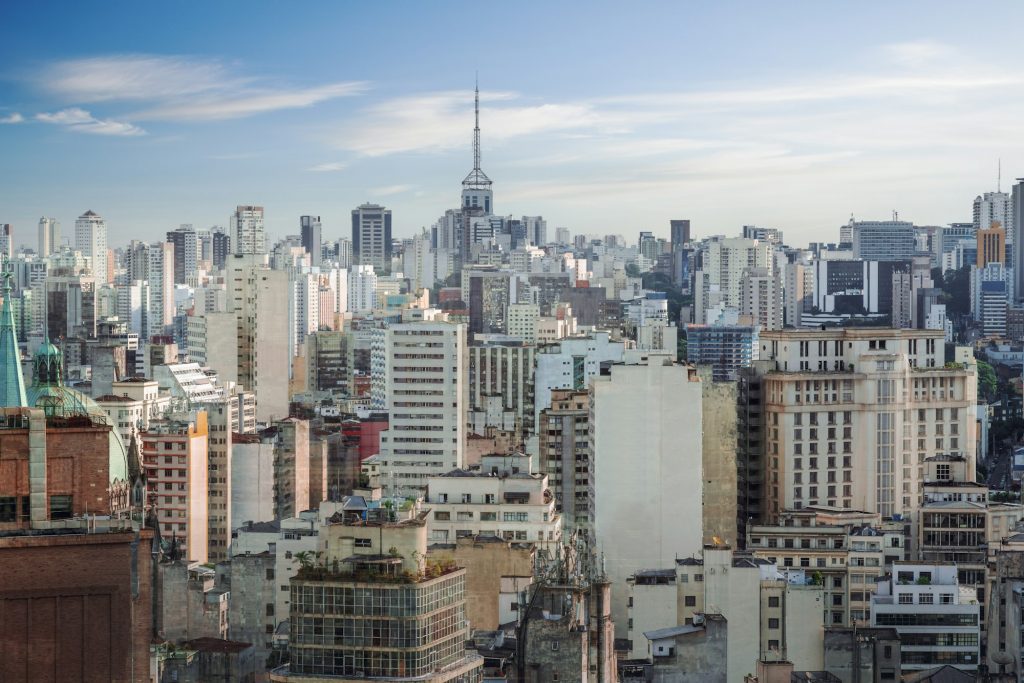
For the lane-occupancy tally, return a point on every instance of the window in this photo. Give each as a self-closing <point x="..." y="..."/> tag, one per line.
<point x="270" y="609"/>
<point x="945" y="598"/>
<point x="488" y="516"/>
<point x="773" y="601"/>
<point x="8" y="508"/>
<point x="363" y="543"/>
<point x="467" y="498"/>
<point x="442" y="516"/>
<point x="773" y="623"/>
<point x="554" y="645"/>
<point x="773" y="645"/>
<point x="906" y="599"/>
<point x="690" y="600"/>
<point x="60" y="507"/>
<point x="926" y="598"/>
<point x="515" y="516"/>
<point x="270" y="573"/>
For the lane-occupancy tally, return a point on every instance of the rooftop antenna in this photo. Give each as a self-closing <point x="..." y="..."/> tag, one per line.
<point x="999" y="176"/>
<point x="476" y="179"/>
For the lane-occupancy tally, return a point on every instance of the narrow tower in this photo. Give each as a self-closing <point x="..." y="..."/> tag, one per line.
<point x="476" y="188"/>
<point x="12" y="382"/>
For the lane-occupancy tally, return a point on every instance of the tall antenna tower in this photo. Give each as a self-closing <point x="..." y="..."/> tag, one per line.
<point x="477" y="179"/>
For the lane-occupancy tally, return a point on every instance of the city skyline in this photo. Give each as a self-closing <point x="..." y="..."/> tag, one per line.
<point x="155" y="129"/>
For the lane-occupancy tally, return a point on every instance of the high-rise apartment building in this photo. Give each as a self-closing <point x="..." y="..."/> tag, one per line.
<point x="247" y="233"/>
<point x="565" y="456"/>
<point x="761" y="298"/>
<point x="362" y="289"/>
<point x="851" y="415"/>
<point x="220" y="247"/>
<point x="994" y="207"/>
<point x="186" y="252"/>
<point x="724" y="260"/>
<point x="91" y="240"/>
<point x="175" y="458"/>
<point x="6" y="243"/>
<point x="49" y="236"/>
<point x="159" y="288"/>
<point x="425" y="370"/>
<point x="310" y="229"/>
<point x="371" y="237"/>
<point x="260" y="300"/>
<point x="726" y="348"/>
<point x="647" y="511"/>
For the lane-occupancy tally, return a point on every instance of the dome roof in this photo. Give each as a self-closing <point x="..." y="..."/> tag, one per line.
<point x="64" y="402"/>
<point x="49" y="393"/>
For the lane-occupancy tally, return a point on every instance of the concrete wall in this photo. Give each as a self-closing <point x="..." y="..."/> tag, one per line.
<point x="647" y="471"/>
<point x="487" y="562"/>
<point x="718" y="458"/>
<point x="253" y="590"/>
<point x="699" y="656"/>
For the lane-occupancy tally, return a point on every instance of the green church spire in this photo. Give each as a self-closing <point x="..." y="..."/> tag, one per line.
<point x="12" y="383"/>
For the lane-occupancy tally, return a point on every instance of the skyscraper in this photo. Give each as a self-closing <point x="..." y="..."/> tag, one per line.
<point x="186" y="252"/>
<point x="371" y="237"/>
<point x="49" y="236"/>
<point x="1017" y="221"/>
<point x="6" y="242"/>
<point x="680" y="232"/>
<point x="994" y="206"/>
<point x="310" y="226"/>
<point x="247" y="235"/>
<point x="91" y="240"/>
<point x="220" y="243"/>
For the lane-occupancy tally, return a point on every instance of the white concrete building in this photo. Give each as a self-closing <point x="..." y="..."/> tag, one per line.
<point x="772" y="614"/>
<point x="571" y="364"/>
<point x="91" y="240"/>
<point x="362" y="289"/>
<point x="991" y="207"/>
<point x="725" y="259"/>
<point x="646" y="443"/>
<point x="426" y="390"/>
<point x="937" y="618"/>
<point x="247" y="233"/>
<point x="522" y="321"/>
<point x="761" y="298"/>
<point x="252" y="479"/>
<point x="49" y="236"/>
<point x="502" y="498"/>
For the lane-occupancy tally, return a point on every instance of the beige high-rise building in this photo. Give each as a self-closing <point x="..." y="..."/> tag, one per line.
<point x="221" y="415"/>
<point x="851" y="415"/>
<point x="761" y="298"/>
<point x="260" y="299"/>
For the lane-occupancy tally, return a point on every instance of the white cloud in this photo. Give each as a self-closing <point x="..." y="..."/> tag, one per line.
<point x="12" y="118"/>
<point x="389" y="190"/>
<point x="180" y="88"/>
<point x="328" y="167"/>
<point x="248" y="103"/>
<point x="81" y="121"/>
<point x="443" y="120"/>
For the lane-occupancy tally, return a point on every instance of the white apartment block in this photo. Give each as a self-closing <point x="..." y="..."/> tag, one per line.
<point x="571" y="364"/>
<point x="159" y="288"/>
<point x="992" y="207"/>
<point x="91" y="240"/>
<point x="502" y="498"/>
<point x="362" y="289"/>
<point x="761" y="298"/>
<point x="247" y="233"/>
<point x="212" y="342"/>
<point x="49" y="236"/>
<point x="426" y="391"/>
<point x="725" y="260"/>
<point x="772" y="614"/>
<point x="645" y="434"/>
<point x="304" y="307"/>
<point x="522" y="321"/>
<point x="851" y="416"/>
<point x="936" y="617"/>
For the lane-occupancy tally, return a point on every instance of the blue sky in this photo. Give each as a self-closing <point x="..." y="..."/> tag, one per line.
<point x="603" y="117"/>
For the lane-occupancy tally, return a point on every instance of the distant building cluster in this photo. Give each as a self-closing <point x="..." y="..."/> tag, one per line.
<point x="494" y="452"/>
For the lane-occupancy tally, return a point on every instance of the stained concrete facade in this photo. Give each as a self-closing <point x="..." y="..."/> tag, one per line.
<point x="718" y="458"/>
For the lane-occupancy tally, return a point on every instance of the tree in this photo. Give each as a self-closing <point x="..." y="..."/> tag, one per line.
<point x="987" y="384"/>
<point x="956" y="291"/>
<point x="632" y="270"/>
